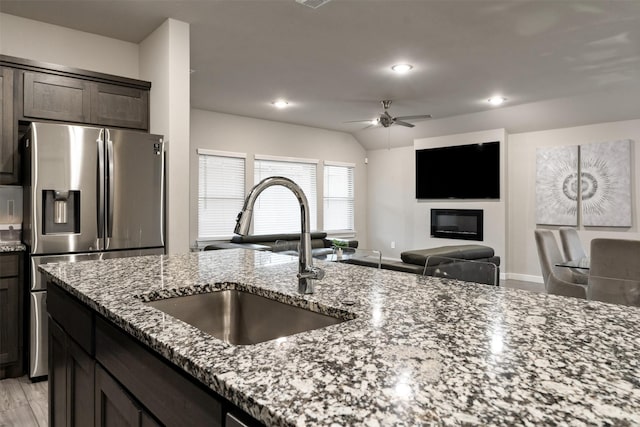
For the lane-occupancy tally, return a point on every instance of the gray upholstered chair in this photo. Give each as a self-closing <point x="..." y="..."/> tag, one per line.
<point x="573" y="250"/>
<point x="615" y="271"/>
<point x="571" y="244"/>
<point x="557" y="280"/>
<point x="461" y="269"/>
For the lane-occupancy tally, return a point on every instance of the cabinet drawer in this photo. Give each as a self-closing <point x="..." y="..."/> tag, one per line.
<point x="56" y="98"/>
<point x="9" y="265"/>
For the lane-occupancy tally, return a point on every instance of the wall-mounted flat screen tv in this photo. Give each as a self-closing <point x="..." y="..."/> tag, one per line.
<point x="459" y="172"/>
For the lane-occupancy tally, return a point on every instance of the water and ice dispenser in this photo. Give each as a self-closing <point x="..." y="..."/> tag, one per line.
<point x="61" y="211"/>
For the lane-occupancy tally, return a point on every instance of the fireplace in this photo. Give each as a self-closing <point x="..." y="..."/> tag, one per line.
<point x="464" y="224"/>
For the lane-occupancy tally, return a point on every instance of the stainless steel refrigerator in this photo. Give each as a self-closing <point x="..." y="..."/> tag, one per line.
<point x="89" y="193"/>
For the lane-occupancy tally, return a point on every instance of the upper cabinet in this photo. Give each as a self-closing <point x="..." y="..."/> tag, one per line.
<point x="46" y="96"/>
<point x="113" y="105"/>
<point x="36" y="91"/>
<point x="9" y="158"/>
<point x="77" y="100"/>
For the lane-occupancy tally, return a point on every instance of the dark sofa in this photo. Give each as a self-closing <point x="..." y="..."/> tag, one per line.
<point x="286" y="243"/>
<point x="413" y="261"/>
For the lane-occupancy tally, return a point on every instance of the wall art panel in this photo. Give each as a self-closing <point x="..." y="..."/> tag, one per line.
<point x="557" y="185"/>
<point x="606" y="183"/>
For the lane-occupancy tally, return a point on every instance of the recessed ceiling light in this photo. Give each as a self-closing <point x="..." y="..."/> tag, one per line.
<point x="280" y="103"/>
<point x="496" y="100"/>
<point x="402" y="68"/>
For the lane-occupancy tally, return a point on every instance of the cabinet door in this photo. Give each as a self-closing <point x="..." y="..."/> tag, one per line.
<point x="9" y="159"/>
<point x="57" y="342"/>
<point x="9" y="320"/>
<point x="80" y="385"/>
<point x="54" y="97"/>
<point x="71" y="380"/>
<point x="119" y="106"/>
<point x="114" y="406"/>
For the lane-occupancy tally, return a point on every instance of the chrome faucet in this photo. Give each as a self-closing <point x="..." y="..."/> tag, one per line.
<point x="306" y="271"/>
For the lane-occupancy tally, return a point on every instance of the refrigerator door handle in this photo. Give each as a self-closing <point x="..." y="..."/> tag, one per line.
<point x="110" y="185"/>
<point x="100" y="195"/>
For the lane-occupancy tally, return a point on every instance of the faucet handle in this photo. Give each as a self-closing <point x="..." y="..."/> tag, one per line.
<point x="312" y="273"/>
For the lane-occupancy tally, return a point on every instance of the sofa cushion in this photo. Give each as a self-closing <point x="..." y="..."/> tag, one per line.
<point x="418" y="257"/>
<point x="260" y="238"/>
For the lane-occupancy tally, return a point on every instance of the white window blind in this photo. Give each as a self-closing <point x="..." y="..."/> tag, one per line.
<point x="221" y="185"/>
<point x="338" y="198"/>
<point x="277" y="210"/>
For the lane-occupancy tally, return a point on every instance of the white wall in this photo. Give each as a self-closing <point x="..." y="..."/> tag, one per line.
<point x="396" y="216"/>
<point x="226" y="132"/>
<point x="26" y="38"/>
<point x="522" y="254"/>
<point x="164" y="60"/>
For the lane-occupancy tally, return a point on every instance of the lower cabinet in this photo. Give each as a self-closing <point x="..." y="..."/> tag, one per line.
<point x="11" y="315"/>
<point x="101" y="376"/>
<point x="71" y="380"/>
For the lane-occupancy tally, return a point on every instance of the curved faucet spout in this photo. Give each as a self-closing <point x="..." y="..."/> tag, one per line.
<point x="306" y="271"/>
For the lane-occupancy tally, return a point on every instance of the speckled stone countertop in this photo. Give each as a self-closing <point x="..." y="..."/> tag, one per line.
<point x="420" y="350"/>
<point x="12" y="247"/>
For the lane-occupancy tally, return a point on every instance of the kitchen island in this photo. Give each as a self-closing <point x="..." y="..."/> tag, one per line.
<point x="417" y="350"/>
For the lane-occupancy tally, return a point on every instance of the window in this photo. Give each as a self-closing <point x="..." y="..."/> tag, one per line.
<point x="221" y="186"/>
<point x="338" y="197"/>
<point x="277" y="210"/>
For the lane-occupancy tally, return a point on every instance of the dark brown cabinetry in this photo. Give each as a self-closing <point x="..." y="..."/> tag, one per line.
<point x="32" y="90"/>
<point x="76" y="100"/>
<point x="119" y="106"/>
<point x="11" y="313"/>
<point x="130" y="384"/>
<point x="53" y="97"/>
<point x="9" y="160"/>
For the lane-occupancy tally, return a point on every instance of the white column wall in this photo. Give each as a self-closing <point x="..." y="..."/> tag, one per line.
<point x="164" y="60"/>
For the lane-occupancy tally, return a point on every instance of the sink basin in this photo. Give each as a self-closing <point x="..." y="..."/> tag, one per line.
<point x="242" y="318"/>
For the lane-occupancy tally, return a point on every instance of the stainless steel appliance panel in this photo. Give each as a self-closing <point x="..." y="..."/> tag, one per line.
<point x="64" y="163"/>
<point x="135" y="190"/>
<point x="38" y="331"/>
<point x="38" y="351"/>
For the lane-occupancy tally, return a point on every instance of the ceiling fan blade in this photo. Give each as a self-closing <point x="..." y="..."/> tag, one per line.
<point x="358" y="121"/>
<point x="401" y="123"/>
<point x="418" y="117"/>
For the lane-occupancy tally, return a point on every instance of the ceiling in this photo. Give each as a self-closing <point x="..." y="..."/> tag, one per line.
<point x="333" y="63"/>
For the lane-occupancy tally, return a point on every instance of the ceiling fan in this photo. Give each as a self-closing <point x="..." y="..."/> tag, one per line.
<point x="387" y="120"/>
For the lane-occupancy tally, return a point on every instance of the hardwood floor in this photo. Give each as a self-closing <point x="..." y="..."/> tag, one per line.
<point x="23" y="403"/>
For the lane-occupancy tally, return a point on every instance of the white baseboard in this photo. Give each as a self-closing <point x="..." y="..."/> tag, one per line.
<point x="524" y="277"/>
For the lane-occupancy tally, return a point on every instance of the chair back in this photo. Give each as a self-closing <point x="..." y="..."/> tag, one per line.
<point x="557" y="280"/>
<point x="571" y="244"/>
<point x="461" y="269"/>
<point x="614" y="275"/>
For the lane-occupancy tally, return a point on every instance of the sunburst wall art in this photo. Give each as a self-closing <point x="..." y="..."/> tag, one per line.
<point x="605" y="168"/>
<point x="557" y="185"/>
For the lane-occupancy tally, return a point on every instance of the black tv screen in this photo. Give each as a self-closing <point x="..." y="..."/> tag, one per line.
<point x="459" y="172"/>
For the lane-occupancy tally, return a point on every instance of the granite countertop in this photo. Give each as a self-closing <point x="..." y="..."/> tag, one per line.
<point x="12" y="247"/>
<point x="420" y="350"/>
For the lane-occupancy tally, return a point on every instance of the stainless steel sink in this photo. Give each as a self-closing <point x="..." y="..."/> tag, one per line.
<point x="242" y="318"/>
